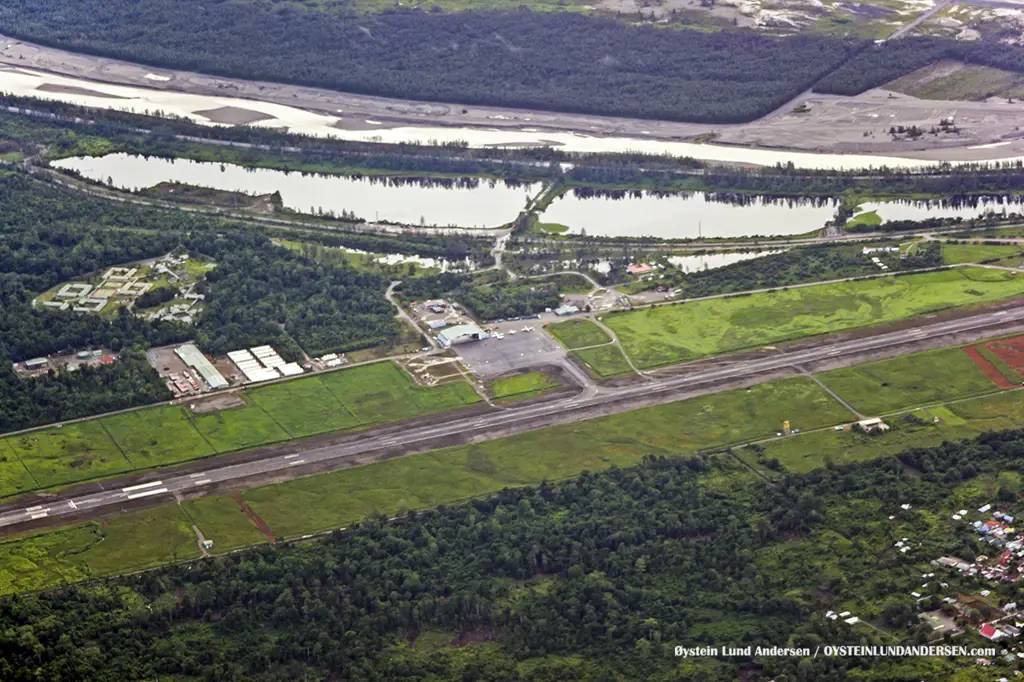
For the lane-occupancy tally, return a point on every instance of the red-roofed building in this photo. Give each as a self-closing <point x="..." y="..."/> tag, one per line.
<point x="990" y="632"/>
<point x="639" y="269"/>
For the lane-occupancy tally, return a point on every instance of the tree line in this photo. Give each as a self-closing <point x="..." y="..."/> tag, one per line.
<point x="561" y="61"/>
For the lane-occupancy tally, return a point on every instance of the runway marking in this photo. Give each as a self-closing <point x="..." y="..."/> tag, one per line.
<point x="71" y="503"/>
<point x="291" y="456"/>
<point x="195" y="475"/>
<point x="142" y="486"/>
<point x="298" y="461"/>
<point x="205" y="481"/>
<point x="158" y="491"/>
<point x="40" y="515"/>
<point x="35" y="508"/>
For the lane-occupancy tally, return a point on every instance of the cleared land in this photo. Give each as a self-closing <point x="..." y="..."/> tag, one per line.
<point x="157" y="437"/>
<point x="919" y="379"/>
<point x="169" y="434"/>
<point x="954" y="254"/>
<point x="127" y="543"/>
<point x="418" y="481"/>
<point x="223" y="521"/>
<point x="522" y="386"/>
<point x="604" y="362"/>
<point x="667" y="334"/>
<point x="578" y="334"/>
<point x="965" y="419"/>
<point x="75" y="452"/>
<point x="958" y="81"/>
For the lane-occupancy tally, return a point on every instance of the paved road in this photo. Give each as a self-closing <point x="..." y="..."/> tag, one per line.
<point x="489" y="425"/>
<point x="904" y="30"/>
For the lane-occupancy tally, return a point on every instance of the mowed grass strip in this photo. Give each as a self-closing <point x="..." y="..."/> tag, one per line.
<point x="14" y="477"/>
<point x="303" y="407"/>
<point x="418" y="481"/>
<point x="239" y="428"/>
<point x="126" y="543"/>
<point x="522" y="386"/>
<point x="383" y="392"/>
<point x="676" y="333"/>
<point x="157" y="436"/>
<point x="67" y="454"/>
<point x="578" y="334"/>
<point x="903" y="382"/>
<point x="604" y="362"/>
<point x="222" y="520"/>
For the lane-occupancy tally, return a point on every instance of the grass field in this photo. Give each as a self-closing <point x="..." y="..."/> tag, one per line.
<point x="918" y="379"/>
<point x="441" y="477"/>
<point x="304" y="407"/>
<point x="382" y="392"/>
<point x="156" y="437"/>
<point x="222" y="520"/>
<point x="870" y="218"/>
<point x="953" y="254"/>
<point x="129" y="542"/>
<point x="165" y="434"/>
<point x="522" y="386"/>
<point x="667" y="334"/>
<point x="578" y="334"/>
<point x="953" y="80"/>
<point x="604" y="362"/>
<point x="239" y="428"/>
<point x="74" y="452"/>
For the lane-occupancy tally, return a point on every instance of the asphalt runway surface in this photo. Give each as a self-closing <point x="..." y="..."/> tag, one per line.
<point x="167" y="485"/>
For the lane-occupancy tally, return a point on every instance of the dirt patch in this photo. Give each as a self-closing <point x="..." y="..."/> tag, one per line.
<point x="988" y="368"/>
<point x="254" y="517"/>
<point x="235" y="116"/>
<point x="223" y="401"/>
<point x="1010" y="351"/>
<point x="475" y="637"/>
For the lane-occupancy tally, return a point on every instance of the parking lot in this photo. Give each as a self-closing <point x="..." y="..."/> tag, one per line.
<point x="495" y="356"/>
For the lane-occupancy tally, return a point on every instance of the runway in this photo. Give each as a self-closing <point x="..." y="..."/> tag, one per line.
<point x="164" y="486"/>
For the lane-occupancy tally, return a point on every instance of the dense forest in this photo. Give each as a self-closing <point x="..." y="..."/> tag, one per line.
<point x="561" y="61"/>
<point x="259" y="293"/>
<point x="595" y="578"/>
<point x="795" y="266"/>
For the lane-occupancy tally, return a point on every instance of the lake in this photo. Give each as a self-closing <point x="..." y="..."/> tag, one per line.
<point x="971" y="207"/>
<point x="690" y="215"/>
<point x="468" y="203"/>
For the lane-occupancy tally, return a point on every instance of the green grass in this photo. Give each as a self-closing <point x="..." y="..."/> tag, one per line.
<point x="918" y="379"/>
<point x="157" y="436"/>
<point x="870" y="218"/>
<point x="222" y="520"/>
<point x="74" y="452"/>
<point x="14" y="477"/>
<point x="952" y="254"/>
<point x="578" y="334"/>
<point x="961" y="419"/>
<point x="383" y="392"/>
<point x="667" y="334"/>
<point x="304" y="407"/>
<point x="129" y="542"/>
<point x="522" y="386"/>
<point x="239" y="428"/>
<point x="344" y="497"/>
<point x="551" y="228"/>
<point x="604" y="362"/>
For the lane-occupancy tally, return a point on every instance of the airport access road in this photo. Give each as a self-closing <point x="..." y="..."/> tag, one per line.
<point x="166" y="485"/>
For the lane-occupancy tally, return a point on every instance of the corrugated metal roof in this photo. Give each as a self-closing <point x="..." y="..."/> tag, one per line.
<point x="191" y="356"/>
